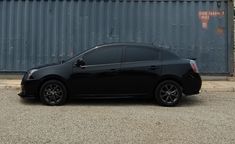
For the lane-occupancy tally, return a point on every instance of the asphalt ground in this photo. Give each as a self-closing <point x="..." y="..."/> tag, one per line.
<point x="205" y="118"/>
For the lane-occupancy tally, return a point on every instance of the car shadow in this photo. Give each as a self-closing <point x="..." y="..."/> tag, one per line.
<point x="110" y="102"/>
<point x="187" y="101"/>
<point x="30" y="101"/>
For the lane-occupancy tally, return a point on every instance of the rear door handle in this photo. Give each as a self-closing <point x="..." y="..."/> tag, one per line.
<point x="113" y="69"/>
<point x="153" y="67"/>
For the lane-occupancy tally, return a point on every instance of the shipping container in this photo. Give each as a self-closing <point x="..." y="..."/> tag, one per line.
<point x="36" y="32"/>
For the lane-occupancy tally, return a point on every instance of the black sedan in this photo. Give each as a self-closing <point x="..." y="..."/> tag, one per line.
<point x="118" y="70"/>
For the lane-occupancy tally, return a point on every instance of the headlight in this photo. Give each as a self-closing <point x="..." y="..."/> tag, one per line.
<point x="29" y="76"/>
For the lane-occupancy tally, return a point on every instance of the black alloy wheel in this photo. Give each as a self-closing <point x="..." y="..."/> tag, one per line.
<point x="168" y="93"/>
<point x="53" y="92"/>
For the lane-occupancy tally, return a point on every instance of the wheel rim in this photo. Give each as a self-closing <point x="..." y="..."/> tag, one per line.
<point x="53" y="93"/>
<point x="169" y="93"/>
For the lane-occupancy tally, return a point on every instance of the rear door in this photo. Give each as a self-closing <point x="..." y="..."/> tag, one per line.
<point x="140" y="69"/>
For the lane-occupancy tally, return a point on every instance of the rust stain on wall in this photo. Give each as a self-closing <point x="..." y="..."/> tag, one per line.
<point x="205" y="16"/>
<point x="220" y="30"/>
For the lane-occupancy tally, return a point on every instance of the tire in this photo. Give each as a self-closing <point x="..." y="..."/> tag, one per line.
<point x="53" y="93"/>
<point x="168" y="93"/>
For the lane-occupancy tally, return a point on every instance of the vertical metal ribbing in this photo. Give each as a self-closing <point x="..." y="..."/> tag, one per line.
<point x="40" y="32"/>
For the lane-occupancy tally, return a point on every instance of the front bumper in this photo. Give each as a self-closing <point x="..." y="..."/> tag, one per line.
<point x="29" y="89"/>
<point x="25" y="96"/>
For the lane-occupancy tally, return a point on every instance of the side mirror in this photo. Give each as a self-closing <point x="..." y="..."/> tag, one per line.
<point x="80" y="63"/>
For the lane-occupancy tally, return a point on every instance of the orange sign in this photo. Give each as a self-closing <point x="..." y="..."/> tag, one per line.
<point x="204" y="16"/>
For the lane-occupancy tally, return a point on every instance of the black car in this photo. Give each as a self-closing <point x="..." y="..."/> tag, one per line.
<point x="118" y="70"/>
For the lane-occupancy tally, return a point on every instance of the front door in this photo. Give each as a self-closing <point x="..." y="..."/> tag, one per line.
<point x="100" y="74"/>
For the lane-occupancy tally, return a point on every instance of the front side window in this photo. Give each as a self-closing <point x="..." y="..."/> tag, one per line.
<point x="103" y="55"/>
<point x="140" y="53"/>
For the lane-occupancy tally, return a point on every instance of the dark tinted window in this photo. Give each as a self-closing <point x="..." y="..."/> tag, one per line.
<point x="140" y="53"/>
<point x="104" y="55"/>
<point x="166" y="55"/>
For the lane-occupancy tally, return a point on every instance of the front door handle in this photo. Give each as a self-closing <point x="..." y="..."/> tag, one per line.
<point x="83" y="67"/>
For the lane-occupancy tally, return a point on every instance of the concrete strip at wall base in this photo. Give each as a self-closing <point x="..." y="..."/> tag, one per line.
<point x="10" y="84"/>
<point x="218" y="86"/>
<point x="10" y="76"/>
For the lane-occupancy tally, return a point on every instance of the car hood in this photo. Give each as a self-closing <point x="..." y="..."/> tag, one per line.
<point x="46" y="65"/>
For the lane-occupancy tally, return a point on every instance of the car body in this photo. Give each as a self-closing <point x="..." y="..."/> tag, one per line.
<point x="117" y="70"/>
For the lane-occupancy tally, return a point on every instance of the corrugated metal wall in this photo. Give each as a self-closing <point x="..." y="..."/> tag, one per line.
<point x="38" y="32"/>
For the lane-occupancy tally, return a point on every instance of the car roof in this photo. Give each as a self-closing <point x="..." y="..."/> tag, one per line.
<point x="126" y="44"/>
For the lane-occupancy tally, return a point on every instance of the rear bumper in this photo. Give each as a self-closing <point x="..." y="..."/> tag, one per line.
<point x="191" y="83"/>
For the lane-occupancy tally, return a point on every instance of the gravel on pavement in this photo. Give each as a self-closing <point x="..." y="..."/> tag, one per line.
<point x="205" y="118"/>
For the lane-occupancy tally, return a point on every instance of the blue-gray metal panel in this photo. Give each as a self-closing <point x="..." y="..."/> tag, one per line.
<point x="37" y="32"/>
<point x="230" y="38"/>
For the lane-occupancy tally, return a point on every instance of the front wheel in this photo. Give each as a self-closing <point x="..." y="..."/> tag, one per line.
<point x="53" y="92"/>
<point x="168" y="93"/>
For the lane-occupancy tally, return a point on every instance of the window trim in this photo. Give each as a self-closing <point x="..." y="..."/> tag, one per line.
<point x="85" y="66"/>
<point x="139" y="61"/>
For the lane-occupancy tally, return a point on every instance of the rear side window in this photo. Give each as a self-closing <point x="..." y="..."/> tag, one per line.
<point x="140" y="53"/>
<point x="166" y="55"/>
<point x="104" y="55"/>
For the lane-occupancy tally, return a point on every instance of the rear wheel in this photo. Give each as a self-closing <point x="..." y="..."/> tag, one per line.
<point x="53" y="92"/>
<point x="168" y="93"/>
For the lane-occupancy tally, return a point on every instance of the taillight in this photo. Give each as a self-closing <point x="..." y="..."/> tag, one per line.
<point x="194" y="66"/>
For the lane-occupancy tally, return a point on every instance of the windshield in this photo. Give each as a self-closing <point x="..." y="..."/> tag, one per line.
<point x="73" y="57"/>
<point x="70" y="58"/>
